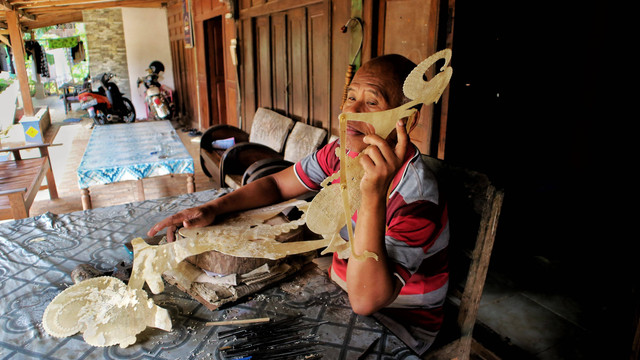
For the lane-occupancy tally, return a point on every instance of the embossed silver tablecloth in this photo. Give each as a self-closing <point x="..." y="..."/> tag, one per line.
<point x="37" y="256"/>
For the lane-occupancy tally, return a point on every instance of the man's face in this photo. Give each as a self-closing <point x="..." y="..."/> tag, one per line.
<point x="372" y="89"/>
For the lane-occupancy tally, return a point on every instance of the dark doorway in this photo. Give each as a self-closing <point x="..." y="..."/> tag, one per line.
<point x="215" y="70"/>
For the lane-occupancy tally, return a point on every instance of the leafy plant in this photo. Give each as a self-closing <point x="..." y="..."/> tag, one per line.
<point x="4" y="83"/>
<point x="80" y="71"/>
<point x="32" y="87"/>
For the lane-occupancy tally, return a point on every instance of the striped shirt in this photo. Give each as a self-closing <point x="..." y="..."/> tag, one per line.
<point x="416" y="238"/>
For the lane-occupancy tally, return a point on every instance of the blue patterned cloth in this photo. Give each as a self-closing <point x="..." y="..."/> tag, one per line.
<point x="121" y="152"/>
<point x="38" y="254"/>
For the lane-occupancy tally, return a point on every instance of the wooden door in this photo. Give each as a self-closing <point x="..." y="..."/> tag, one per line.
<point x="215" y="71"/>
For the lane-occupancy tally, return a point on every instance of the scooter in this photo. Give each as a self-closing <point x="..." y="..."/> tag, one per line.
<point x="107" y="105"/>
<point x="158" y="104"/>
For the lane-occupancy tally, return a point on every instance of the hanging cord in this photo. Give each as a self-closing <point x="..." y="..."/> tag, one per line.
<point x="352" y="66"/>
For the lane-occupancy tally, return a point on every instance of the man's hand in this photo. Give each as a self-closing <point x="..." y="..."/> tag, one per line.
<point x="382" y="161"/>
<point x="193" y="217"/>
<point x="371" y="284"/>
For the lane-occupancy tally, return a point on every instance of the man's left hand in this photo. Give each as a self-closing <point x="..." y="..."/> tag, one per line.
<point x="381" y="160"/>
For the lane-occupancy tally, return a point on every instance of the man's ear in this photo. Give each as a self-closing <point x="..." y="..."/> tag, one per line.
<point x="416" y="119"/>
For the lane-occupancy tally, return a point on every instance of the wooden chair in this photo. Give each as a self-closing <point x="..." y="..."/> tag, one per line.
<point x="302" y="141"/>
<point x="21" y="179"/>
<point x="269" y="131"/>
<point x="70" y="93"/>
<point x="474" y="206"/>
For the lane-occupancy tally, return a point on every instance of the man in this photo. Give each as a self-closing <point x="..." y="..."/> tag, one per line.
<point x="401" y="218"/>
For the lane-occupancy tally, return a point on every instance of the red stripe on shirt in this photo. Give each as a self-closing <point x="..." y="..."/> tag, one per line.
<point x="422" y="217"/>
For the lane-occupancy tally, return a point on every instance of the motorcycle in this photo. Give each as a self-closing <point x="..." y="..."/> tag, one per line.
<point x="107" y="105"/>
<point x="158" y="104"/>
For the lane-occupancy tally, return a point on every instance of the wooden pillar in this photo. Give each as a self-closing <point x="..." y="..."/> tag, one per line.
<point x="191" y="184"/>
<point x="444" y="113"/>
<point x="17" y="46"/>
<point x="85" y="197"/>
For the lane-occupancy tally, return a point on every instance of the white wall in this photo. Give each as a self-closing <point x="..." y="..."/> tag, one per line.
<point x="146" y="36"/>
<point x="62" y="70"/>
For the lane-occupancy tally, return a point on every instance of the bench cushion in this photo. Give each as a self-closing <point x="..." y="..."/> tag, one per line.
<point x="303" y="140"/>
<point x="270" y="128"/>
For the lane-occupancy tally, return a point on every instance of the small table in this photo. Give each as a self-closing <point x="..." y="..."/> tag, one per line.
<point x="134" y="151"/>
<point x="70" y="91"/>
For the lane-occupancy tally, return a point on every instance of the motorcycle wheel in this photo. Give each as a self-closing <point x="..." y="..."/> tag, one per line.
<point x="153" y="116"/>
<point x="129" y="115"/>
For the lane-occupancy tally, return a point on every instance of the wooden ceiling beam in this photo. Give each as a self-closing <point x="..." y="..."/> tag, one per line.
<point x="4" y="39"/>
<point x="51" y="20"/>
<point x="6" y="6"/>
<point x="72" y="8"/>
<point x="63" y="2"/>
<point x="89" y="4"/>
<point x="29" y="12"/>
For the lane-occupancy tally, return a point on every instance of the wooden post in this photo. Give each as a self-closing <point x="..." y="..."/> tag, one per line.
<point x="85" y="197"/>
<point x="17" y="46"/>
<point x="444" y="113"/>
<point x="191" y="184"/>
<point x="51" y="181"/>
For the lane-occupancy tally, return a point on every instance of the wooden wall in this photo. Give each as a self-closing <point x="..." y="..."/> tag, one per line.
<point x="292" y="56"/>
<point x="286" y="64"/>
<point x="410" y="28"/>
<point x="185" y="95"/>
<point x="195" y="99"/>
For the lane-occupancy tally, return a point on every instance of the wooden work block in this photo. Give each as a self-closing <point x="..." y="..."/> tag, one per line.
<point x="220" y="263"/>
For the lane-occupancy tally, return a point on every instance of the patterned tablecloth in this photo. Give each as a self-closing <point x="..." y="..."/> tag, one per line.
<point x="120" y="152"/>
<point x="37" y="256"/>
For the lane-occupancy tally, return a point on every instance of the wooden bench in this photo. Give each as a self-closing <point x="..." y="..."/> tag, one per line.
<point x="21" y="179"/>
<point x="250" y="162"/>
<point x="275" y="141"/>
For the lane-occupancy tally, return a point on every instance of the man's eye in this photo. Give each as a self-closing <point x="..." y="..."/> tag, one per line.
<point x="372" y="103"/>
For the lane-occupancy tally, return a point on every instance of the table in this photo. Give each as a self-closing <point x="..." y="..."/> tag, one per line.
<point x="133" y="151"/>
<point x="37" y="256"/>
<point x="70" y="91"/>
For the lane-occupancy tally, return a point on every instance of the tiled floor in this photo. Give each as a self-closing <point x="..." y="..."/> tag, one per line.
<point x="543" y="324"/>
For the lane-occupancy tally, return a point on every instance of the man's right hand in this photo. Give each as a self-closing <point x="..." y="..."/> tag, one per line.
<point x="193" y="217"/>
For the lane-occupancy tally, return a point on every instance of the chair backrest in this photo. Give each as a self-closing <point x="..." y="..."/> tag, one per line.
<point x="474" y="206"/>
<point x="303" y="140"/>
<point x="270" y="129"/>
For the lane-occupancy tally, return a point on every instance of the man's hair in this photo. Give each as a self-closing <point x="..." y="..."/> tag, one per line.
<point x="398" y="65"/>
